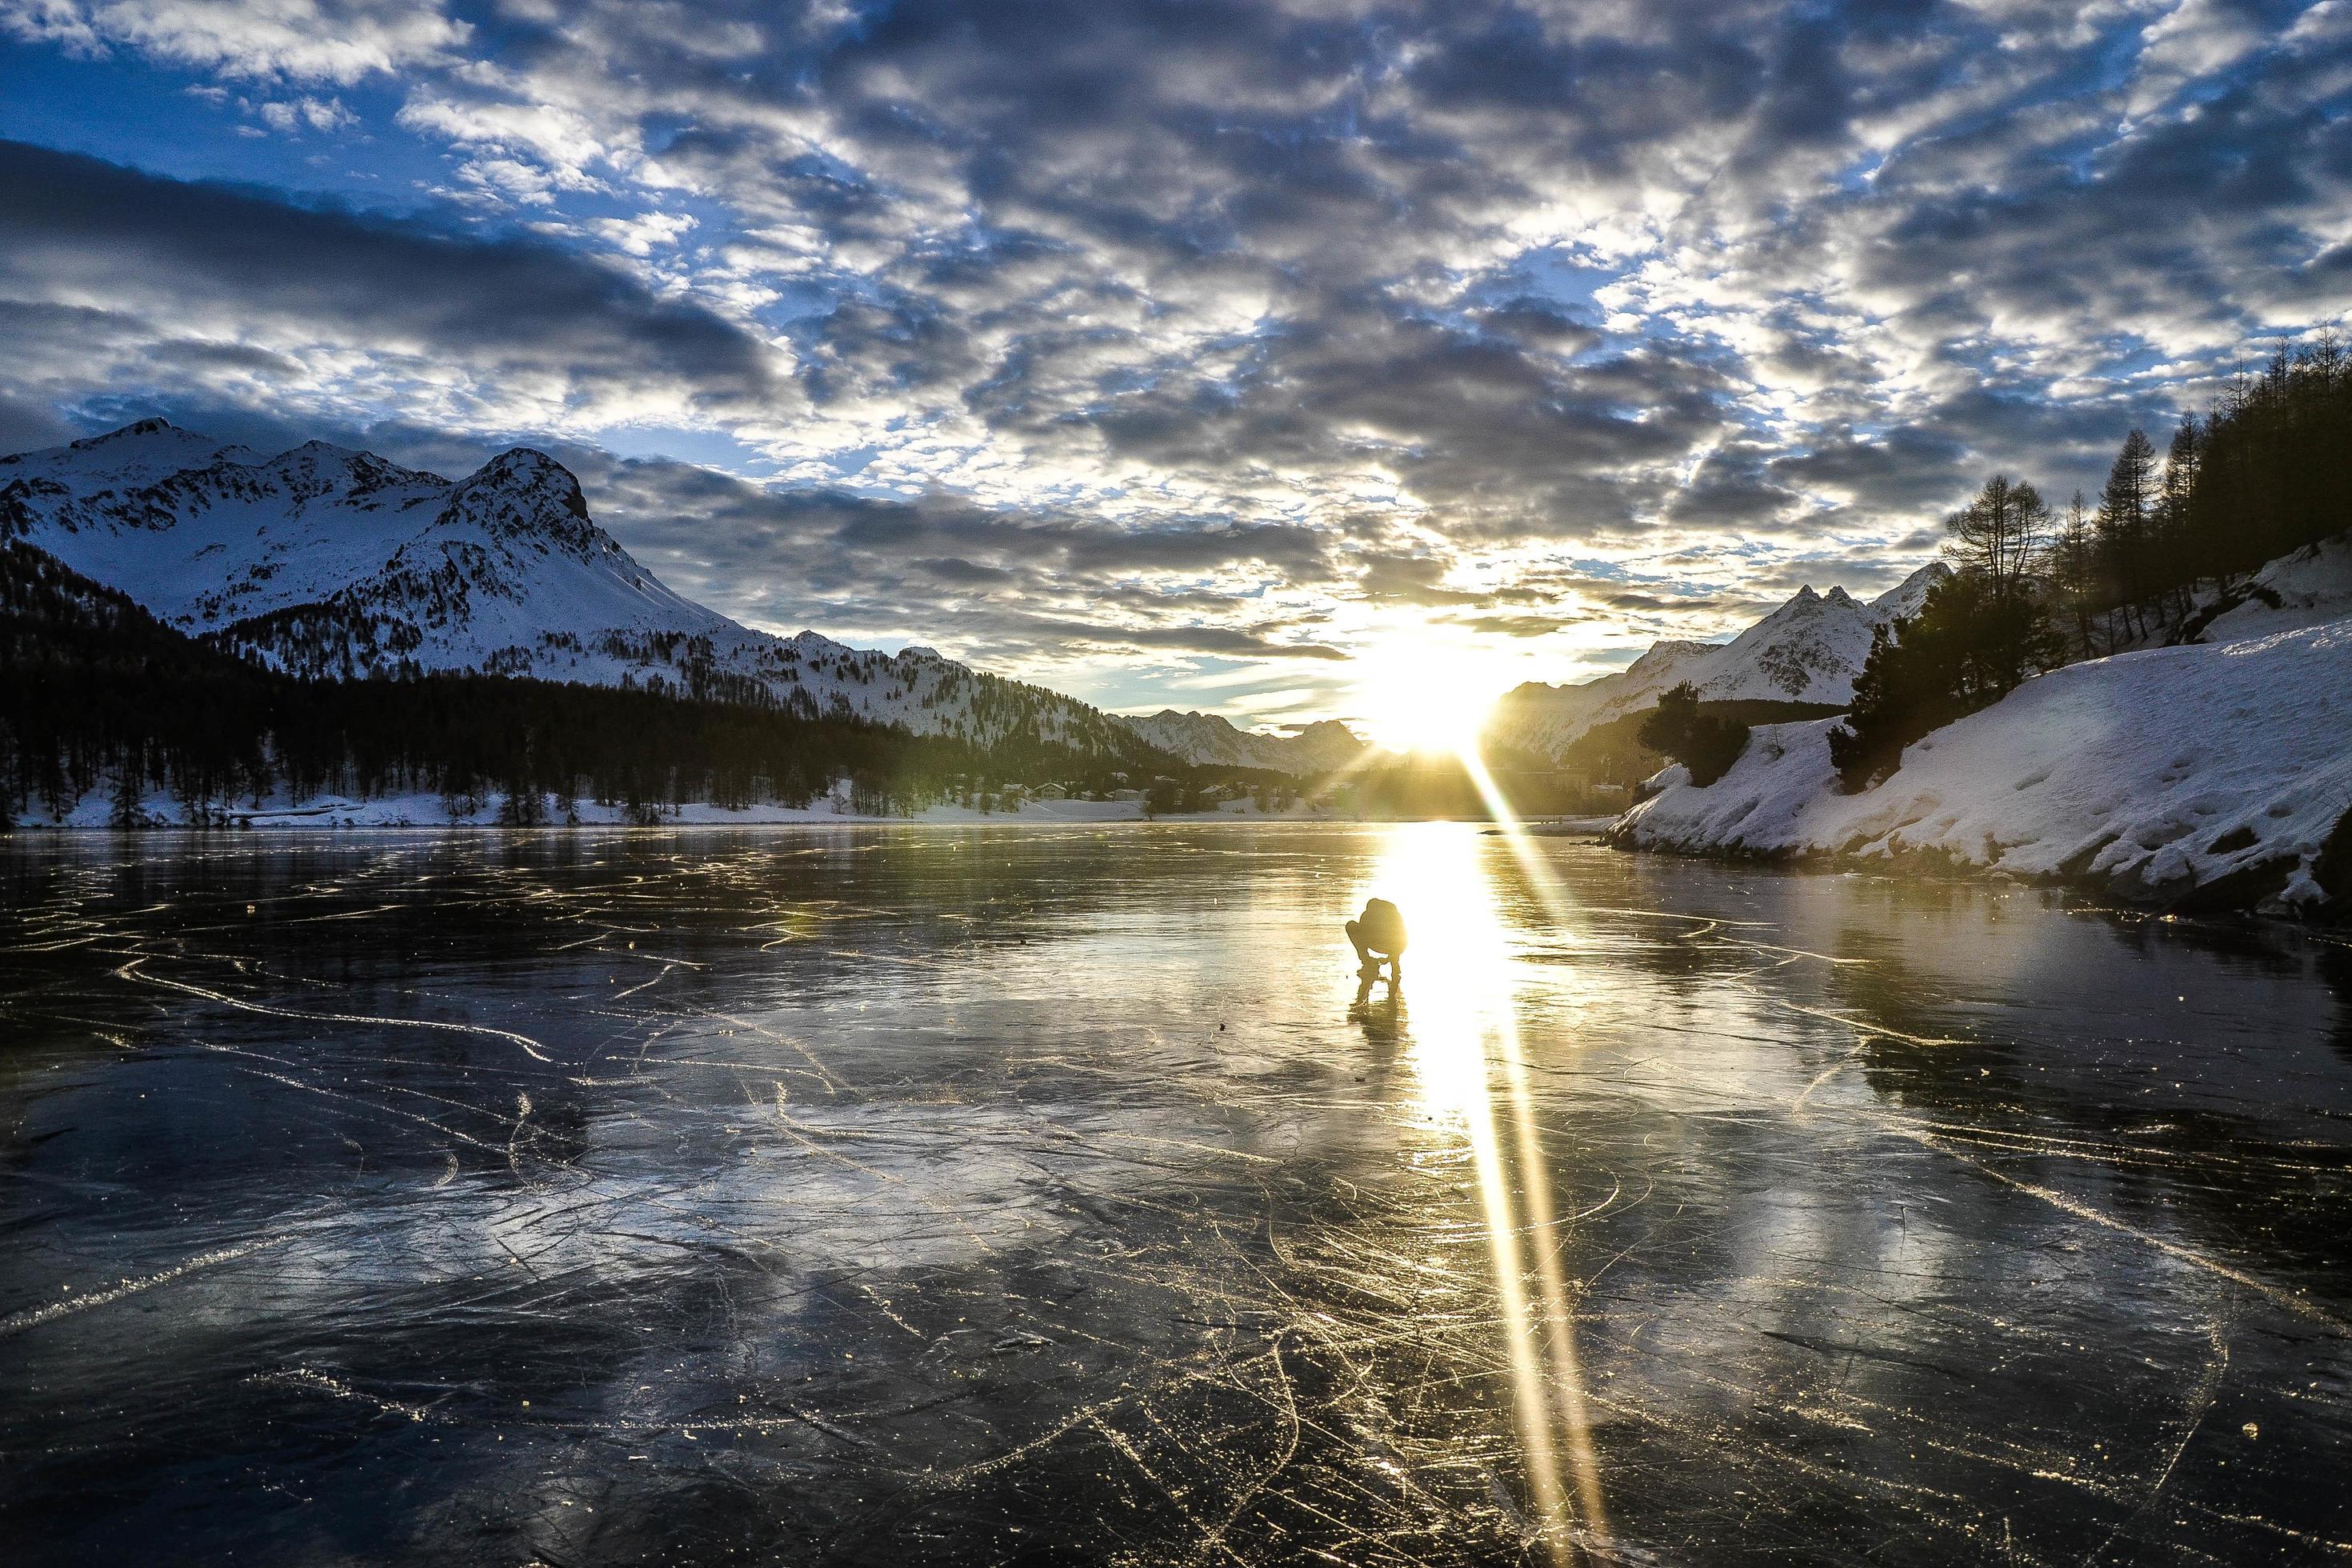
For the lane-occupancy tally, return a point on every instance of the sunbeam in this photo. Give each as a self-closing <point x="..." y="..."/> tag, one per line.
<point x="1466" y="1034"/>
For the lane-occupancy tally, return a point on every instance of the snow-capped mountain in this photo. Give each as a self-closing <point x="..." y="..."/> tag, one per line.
<point x="1320" y="748"/>
<point x="323" y="561"/>
<point x="1904" y="600"/>
<point x="1808" y="650"/>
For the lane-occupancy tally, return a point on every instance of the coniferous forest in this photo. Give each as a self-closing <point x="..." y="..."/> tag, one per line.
<point x="2149" y="560"/>
<point x="100" y="695"/>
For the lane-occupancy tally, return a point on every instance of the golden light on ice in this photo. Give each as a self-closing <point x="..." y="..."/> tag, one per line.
<point x="1468" y="1056"/>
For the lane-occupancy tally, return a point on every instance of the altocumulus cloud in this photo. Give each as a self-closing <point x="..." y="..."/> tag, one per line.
<point x="1007" y="582"/>
<point x="227" y="284"/>
<point x="1212" y="331"/>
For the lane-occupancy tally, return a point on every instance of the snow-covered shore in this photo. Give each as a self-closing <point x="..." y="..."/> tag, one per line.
<point x="2206" y="777"/>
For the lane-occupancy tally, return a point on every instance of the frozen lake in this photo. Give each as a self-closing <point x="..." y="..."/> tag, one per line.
<point x="944" y="1196"/>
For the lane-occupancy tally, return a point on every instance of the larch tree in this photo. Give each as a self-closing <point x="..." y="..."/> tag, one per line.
<point x="1996" y="535"/>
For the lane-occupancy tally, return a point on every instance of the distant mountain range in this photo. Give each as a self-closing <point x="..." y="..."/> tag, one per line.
<point x="1320" y="748"/>
<point x="322" y="561"/>
<point x="1809" y="650"/>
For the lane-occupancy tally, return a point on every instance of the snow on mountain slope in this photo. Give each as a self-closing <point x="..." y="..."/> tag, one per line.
<point x="1903" y="601"/>
<point x="129" y="458"/>
<point x="2312" y="585"/>
<point x="1808" y="650"/>
<point x="1320" y="748"/>
<point x="2214" y="772"/>
<point x="329" y="562"/>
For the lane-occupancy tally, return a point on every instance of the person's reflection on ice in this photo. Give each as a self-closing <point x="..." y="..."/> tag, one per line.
<point x="1382" y="1021"/>
<point x="1383" y="1025"/>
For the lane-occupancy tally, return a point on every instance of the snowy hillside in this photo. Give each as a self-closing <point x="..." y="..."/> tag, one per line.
<point x="2313" y="584"/>
<point x="1318" y="748"/>
<point x="2211" y="775"/>
<point x="329" y="562"/>
<point x="1808" y="650"/>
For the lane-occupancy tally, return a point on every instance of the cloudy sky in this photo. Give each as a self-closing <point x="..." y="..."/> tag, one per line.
<point x="1208" y="353"/>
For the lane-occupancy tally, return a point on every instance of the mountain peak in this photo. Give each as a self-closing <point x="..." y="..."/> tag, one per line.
<point x="326" y="561"/>
<point x="311" y="457"/>
<point x="130" y="458"/>
<point x="1808" y="649"/>
<point x="524" y="494"/>
<point x="524" y="459"/>
<point x="148" y="426"/>
<point x="1906" y="598"/>
<point x="528" y="468"/>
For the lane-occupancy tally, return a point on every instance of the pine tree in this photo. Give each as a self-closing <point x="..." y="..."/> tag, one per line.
<point x="2173" y="545"/>
<point x="2274" y="468"/>
<point x="1966" y="650"/>
<point x="2071" y="565"/>
<point x="1706" y="743"/>
<point x="2124" y="504"/>
<point x="130" y="785"/>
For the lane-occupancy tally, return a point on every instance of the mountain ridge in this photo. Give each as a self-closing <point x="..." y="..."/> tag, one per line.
<point x="323" y="561"/>
<point x="1809" y="649"/>
<point x="1323" y="746"/>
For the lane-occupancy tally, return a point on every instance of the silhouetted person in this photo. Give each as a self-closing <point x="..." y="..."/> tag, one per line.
<point x="1378" y="934"/>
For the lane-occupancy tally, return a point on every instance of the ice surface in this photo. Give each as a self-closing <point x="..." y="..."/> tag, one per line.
<point x="947" y="1195"/>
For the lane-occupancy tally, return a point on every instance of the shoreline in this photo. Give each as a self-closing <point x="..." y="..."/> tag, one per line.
<point x="2224" y="897"/>
<point x="289" y="823"/>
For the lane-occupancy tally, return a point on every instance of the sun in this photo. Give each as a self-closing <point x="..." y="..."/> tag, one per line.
<point x="1425" y="699"/>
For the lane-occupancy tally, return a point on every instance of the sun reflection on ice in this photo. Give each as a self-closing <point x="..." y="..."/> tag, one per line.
<point x="1457" y="968"/>
<point x="1465" y="1047"/>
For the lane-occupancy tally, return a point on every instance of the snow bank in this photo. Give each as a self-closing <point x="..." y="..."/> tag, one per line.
<point x="2207" y="775"/>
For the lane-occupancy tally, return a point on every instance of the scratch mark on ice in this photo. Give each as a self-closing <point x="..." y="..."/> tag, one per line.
<point x="130" y="971"/>
<point x="17" y="1323"/>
